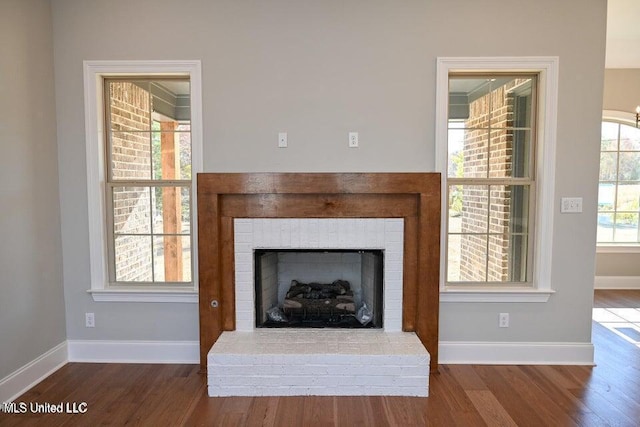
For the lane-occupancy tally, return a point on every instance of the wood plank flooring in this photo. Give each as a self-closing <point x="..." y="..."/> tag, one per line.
<point x="460" y="395"/>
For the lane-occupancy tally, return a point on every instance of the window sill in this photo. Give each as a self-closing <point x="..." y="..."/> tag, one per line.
<point x="617" y="249"/>
<point x="464" y="294"/>
<point x="144" y="295"/>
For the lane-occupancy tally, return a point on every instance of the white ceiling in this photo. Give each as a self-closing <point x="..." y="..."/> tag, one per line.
<point x="623" y="34"/>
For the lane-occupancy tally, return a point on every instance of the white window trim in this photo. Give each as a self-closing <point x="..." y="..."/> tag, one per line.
<point x="623" y="117"/>
<point x="626" y="118"/>
<point x="94" y="71"/>
<point x="547" y="68"/>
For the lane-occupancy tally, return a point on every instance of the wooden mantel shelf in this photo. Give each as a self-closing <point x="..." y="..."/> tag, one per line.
<point x="412" y="196"/>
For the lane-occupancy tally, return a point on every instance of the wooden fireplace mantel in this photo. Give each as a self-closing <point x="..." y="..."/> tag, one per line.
<point x="412" y="196"/>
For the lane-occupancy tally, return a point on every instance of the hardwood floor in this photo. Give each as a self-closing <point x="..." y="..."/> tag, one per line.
<point x="460" y="395"/>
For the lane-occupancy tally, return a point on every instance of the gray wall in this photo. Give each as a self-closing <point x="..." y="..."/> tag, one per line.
<point x="32" y="302"/>
<point x="621" y="93"/>
<point x="318" y="69"/>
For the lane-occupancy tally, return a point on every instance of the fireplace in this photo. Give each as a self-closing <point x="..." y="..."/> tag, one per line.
<point x="409" y="201"/>
<point x="318" y="288"/>
<point x="322" y="251"/>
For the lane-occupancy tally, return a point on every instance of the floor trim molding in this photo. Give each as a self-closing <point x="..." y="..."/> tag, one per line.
<point x="451" y="352"/>
<point x="16" y="383"/>
<point x="515" y="353"/>
<point x="617" y="282"/>
<point x="104" y="351"/>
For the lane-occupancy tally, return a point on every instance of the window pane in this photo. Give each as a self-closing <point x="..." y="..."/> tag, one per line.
<point x="130" y="155"/>
<point x="626" y="228"/>
<point x="518" y="250"/>
<point x="510" y="102"/>
<point x="133" y="258"/>
<point x="474" y="200"/>
<point x="171" y="210"/>
<point x="184" y="149"/>
<point x="455" y="208"/>
<point x="509" y="209"/>
<point x="629" y="166"/>
<point x="453" y="258"/>
<point x="455" y="142"/>
<point x="608" y="166"/>
<point x="509" y="153"/>
<point x="185" y="210"/>
<point x="507" y="258"/>
<point x="172" y="258"/>
<point x="605" y="227"/>
<point x="629" y="138"/>
<point x="498" y="258"/>
<point x="521" y="153"/>
<point x="473" y="258"/>
<point x="131" y="210"/>
<point x="500" y="101"/>
<point x="171" y="98"/>
<point x="171" y="153"/>
<point x="609" y="140"/>
<point x="129" y="106"/>
<point x="628" y="197"/>
<point x="474" y="156"/>
<point x="500" y="149"/>
<point x="606" y="196"/>
<point x="462" y="92"/>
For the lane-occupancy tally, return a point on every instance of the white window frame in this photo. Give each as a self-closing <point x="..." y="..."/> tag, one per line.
<point x="629" y="119"/>
<point x="547" y="69"/>
<point x="94" y="73"/>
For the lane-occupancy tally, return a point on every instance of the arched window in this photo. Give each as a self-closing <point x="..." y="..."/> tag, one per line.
<point x="619" y="184"/>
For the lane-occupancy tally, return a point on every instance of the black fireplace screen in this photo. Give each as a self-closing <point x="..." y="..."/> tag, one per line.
<point x="319" y="288"/>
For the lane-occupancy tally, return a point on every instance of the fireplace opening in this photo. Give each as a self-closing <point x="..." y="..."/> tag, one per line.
<point x="318" y="288"/>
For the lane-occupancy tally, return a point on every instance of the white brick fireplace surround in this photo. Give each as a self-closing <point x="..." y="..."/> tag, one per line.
<point x="279" y="362"/>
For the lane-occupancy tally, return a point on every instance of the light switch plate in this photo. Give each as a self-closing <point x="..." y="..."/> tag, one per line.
<point x="282" y="140"/>
<point x="571" y="205"/>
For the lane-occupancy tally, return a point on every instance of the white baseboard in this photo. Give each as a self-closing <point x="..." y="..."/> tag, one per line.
<point x="519" y="353"/>
<point x="134" y="351"/>
<point x="617" y="282"/>
<point x="450" y="352"/>
<point x="32" y="373"/>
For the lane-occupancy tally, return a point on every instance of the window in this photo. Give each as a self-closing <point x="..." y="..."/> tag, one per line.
<point x="491" y="141"/>
<point x="619" y="184"/>
<point x="144" y="146"/>
<point x="148" y="187"/>
<point x="495" y="147"/>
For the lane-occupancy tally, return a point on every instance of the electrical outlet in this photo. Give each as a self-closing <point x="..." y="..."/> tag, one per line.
<point x="89" y="320"/>
<point x="353" y="139"/>
<point x="503" y="320"/>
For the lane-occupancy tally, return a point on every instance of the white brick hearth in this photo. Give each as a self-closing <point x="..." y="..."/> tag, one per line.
<point x="317" y="362"/>
<point x="279" y="362"/>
